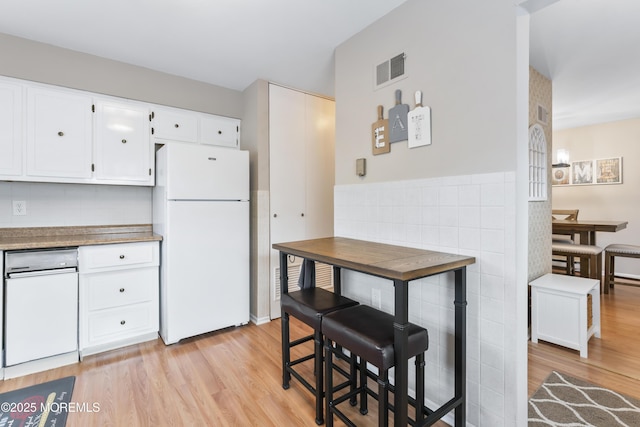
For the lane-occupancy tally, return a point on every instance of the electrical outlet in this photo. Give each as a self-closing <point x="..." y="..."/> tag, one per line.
<point x="19" y="207"/>
<point x="376" y="298"/>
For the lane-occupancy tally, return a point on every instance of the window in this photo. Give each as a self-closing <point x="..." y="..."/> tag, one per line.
<point x="537" y="164"/>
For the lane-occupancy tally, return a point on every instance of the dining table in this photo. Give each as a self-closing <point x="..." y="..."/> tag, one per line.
<point x="402" y="265"/>
<point x="586" y="228"/>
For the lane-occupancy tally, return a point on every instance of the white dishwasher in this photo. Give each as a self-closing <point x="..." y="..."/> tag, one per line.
<point x="41" y="304"/>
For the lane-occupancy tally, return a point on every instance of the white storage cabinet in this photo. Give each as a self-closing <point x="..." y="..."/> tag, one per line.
<point x="59" y="131"/>
<point x="123" y="151"/>
<point x="119" y="295"/>
<point x="301" y="174"/>
<point x="561" y="313"/>
<point x="11" y="136"/>
<point x="173" y="124"/>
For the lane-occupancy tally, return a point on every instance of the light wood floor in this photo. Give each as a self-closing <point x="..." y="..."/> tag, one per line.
<point x="227" y="378"/>
<point x="233" y="377"/>
<point x="614" y="359"/>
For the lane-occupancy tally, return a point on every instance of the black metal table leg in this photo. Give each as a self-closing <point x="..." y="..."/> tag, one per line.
<point x="401" y="344"/>
<point x="461" y="345"/>
<point x="284" y="322"/>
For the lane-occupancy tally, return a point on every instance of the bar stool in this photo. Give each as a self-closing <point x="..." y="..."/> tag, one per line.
<point x="610" y="253"/>
<point x="369" y="334"/>
<point x="309" y="306"/>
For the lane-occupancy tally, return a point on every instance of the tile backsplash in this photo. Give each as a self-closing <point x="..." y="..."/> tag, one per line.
<point x="49" y="205"/>
<point x="472" y="215"/>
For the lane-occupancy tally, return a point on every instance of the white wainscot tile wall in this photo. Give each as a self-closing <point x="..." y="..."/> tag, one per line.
<point x="471" y="215"/>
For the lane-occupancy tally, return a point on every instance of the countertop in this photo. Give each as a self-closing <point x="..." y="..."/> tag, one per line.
<point x="55" y="237"/>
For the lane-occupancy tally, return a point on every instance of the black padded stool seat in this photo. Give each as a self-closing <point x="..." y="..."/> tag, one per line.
<point x="309" y="306"/>
<point x="369" y="334"/>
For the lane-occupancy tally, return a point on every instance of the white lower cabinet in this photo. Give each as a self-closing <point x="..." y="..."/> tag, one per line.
<point x="119" y="295"/>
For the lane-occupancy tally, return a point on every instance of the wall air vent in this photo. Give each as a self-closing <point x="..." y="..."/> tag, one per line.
<point x="389" y="71"/>
<point x="542" y="115"/>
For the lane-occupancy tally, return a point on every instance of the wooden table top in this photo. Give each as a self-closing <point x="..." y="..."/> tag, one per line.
<point x="587" y="225"/>
<point x="379" y="259"/>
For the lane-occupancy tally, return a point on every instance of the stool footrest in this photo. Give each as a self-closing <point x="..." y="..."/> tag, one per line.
<point x="301" y="341"/>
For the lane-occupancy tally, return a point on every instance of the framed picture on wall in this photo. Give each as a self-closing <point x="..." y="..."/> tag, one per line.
<point x="608" y="171"/>
<point x="560" y="176"/>
<point x="582" y="172"/>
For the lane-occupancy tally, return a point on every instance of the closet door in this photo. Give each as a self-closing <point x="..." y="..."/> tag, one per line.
<point x="319" y="166"/>
<point x="301" y="173"/>
<point x="287" y="163"/>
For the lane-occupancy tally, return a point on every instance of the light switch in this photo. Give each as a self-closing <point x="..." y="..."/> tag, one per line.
<point x="361" y="167"/>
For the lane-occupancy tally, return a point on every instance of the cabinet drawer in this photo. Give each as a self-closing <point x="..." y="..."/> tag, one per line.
<point x="119" y="323"/>
<point x="117" y="255"/>
<point x="120" y="288"/>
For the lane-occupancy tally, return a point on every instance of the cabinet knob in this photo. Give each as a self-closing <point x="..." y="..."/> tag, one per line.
<point x="124" y="141"/>
<point x="219" y="132"/>
<point x="275" y="215"/>
<point x="177" y="125"/>
<point x="302" y="214"/>
<point x="121" y="289"/>
<point x="121" y="256"/>
<point x="122" y="322"/>
<point x="60" y="133"/>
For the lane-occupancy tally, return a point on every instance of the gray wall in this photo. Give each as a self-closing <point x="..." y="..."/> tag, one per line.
<point x="29" y="60"/>
<point x="463" y="194"/>
<point x="461" y="56"/>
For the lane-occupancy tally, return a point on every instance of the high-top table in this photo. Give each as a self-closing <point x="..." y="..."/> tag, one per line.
<point x="401" y="265"/>
<point x="585" y="228"/>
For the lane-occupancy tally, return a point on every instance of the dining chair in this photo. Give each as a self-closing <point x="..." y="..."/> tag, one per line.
<point x="569" y="215"/>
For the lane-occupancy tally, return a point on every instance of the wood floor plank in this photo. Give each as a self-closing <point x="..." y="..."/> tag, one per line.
<point x="614" y="359"/>
<point x="233" y="377"/>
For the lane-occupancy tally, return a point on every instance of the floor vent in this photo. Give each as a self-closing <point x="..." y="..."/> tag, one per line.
<point x="324" y="277"/>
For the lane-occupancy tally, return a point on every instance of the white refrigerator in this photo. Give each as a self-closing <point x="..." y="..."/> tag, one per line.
<point x="201" y="208"/>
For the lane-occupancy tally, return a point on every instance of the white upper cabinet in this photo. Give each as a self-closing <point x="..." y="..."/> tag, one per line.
<point x="58" y="134"/>
<point x="123" y="152"/>
<point x="175" y="125"/>
<point x="54" y="134"/>
<point x="221" y="131"/>
<point x="10" y="129"/>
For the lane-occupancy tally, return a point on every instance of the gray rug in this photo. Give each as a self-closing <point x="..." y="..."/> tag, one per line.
<point x="45" y="404"/>
<point x="565" y="401"/>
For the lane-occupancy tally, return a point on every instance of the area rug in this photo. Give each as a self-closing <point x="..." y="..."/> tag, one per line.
<point x="45" y="404"/>
<point x="565" y="401"/>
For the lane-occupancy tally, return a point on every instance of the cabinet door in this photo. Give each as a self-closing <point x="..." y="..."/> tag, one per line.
<point x="123" y="147"/>
<point x="175" y="125"/>
<point x="58" y="134"/>
<point x="287" y="163"/>
<point x="10" y="129"/>
<point x="221" y="131"/>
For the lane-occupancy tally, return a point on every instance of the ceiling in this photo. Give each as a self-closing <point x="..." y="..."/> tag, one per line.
<point x="229" y="43"/>
<point x="588" y="48"/>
